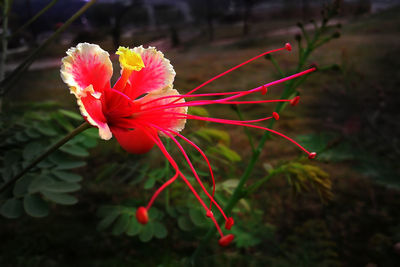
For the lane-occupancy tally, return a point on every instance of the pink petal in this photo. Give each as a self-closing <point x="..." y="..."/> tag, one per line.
<point x="91" y="109"/>
<point x="86" y="64"/>
<point x="161" y="117"/>
<point x="157" y="73"/>
<point x="134" y="141"/>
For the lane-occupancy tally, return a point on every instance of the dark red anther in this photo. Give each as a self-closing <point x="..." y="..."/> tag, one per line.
<point x="288" y="47"/>
<point x="209" y="213"/>
<point x="295" y="101"/>
<point x="312" y="155"/>
<point x="314" y="65"/>
<point x="142" y="215"/>
<point x="226" y="240"/>
<point x="264" y="90"/>
<point x="275" y="115"/>
<point x="229" y="223"/>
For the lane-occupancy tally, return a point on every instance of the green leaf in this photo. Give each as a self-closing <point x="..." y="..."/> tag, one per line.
<point x="70" y="165"/>
<point x="210" y="134"/>
<point x="121" y="224"/>
<point x="45" y="164"/>
<point x="154" y="214"/>
<point x="71" y="115"/>
<point x="92" y="133"/>
<point x="12" y="208"/>
<point x="32" y="133"/>
<point x="21" y="137"/>
<point x="341" y="152"/>
<point x="134" y="227"/>
<point x="244" y="239"/>
<point x="88" y="141"/>
<point x="74" y="150"/>
<point x="198" y="217"/>
<point x="22" y="184"/>
<point x="315" y="142"/>
<point x="45" y="129"/>
<point x="159" y="230"/>
<point x="62" y="121"/>
<point x="39" y="182"/>
<point x="108" y="220"/>
<point x="60" y="198"/>
<point x="230" y="184"/>
<point x="65" y="163"/>
<point x="32" y="150"/>
<point x="149" y="183"/>
<point x="147" y="233"/>
<point x="226" y="152"/>
<point x="185" y="224"/>
<point x="60" y="187"/>
<point x="199" y="111"/>
<point x="36" y="206"/>
<point x="10" y="159"/>
<point x="67" y="176"/>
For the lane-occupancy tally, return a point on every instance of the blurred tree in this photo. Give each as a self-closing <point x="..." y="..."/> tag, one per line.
<point x="248" y="5"/>
<point x="210" y="18"/>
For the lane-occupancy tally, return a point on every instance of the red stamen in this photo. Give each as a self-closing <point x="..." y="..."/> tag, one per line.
<point x="312" y="155"/>
<point x="270" y="84"/>
<point x="142" y="215"/>
<point x="226" y="72"/>
<point x="226" y="240"/>
<point x="288" y="47"/>
<point x="225" y="100"/>
<point x="159" y="143"/>
<point x="237" y="66"/>
<point x="209" y="102"/>
<point x="275" y="115"/>
<point x="191" y="167"/>
<point x="229" y="223"/>
<point x="247" y="125"/>
<point x="202" y="154"/>
<point x="295" y="101"/>
<point x="264" y="90"/>
<point x="159" y="190"/>
<point x="209" y="214"/>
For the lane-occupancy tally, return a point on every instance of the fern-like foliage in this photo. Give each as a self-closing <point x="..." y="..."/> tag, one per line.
<point x="25" y="133"/>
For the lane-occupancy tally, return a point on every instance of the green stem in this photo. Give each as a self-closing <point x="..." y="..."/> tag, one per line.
<point x="256" y="185"/>
<point x="9" y="81"/>
<point x="166" y="171"/>
<point x="276" y="65"/>
<point x="84" y="126"/>
<point x="4" y="44"/>
<point x="246" y="130"/>
<point x="29" y="22"/>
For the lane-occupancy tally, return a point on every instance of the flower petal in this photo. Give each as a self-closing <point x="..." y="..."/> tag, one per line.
<point x="91" y="110"/>
<point x="156" y="75"/>
<point x="134" y="141"/>
<point x="86" y="64"/>
<point x="161" y="117"/>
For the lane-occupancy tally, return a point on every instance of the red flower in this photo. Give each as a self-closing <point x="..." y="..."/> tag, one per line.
<point x="142" y="106"/>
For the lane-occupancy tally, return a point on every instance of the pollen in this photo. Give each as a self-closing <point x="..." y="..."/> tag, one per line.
<point x="129" y="59"/>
